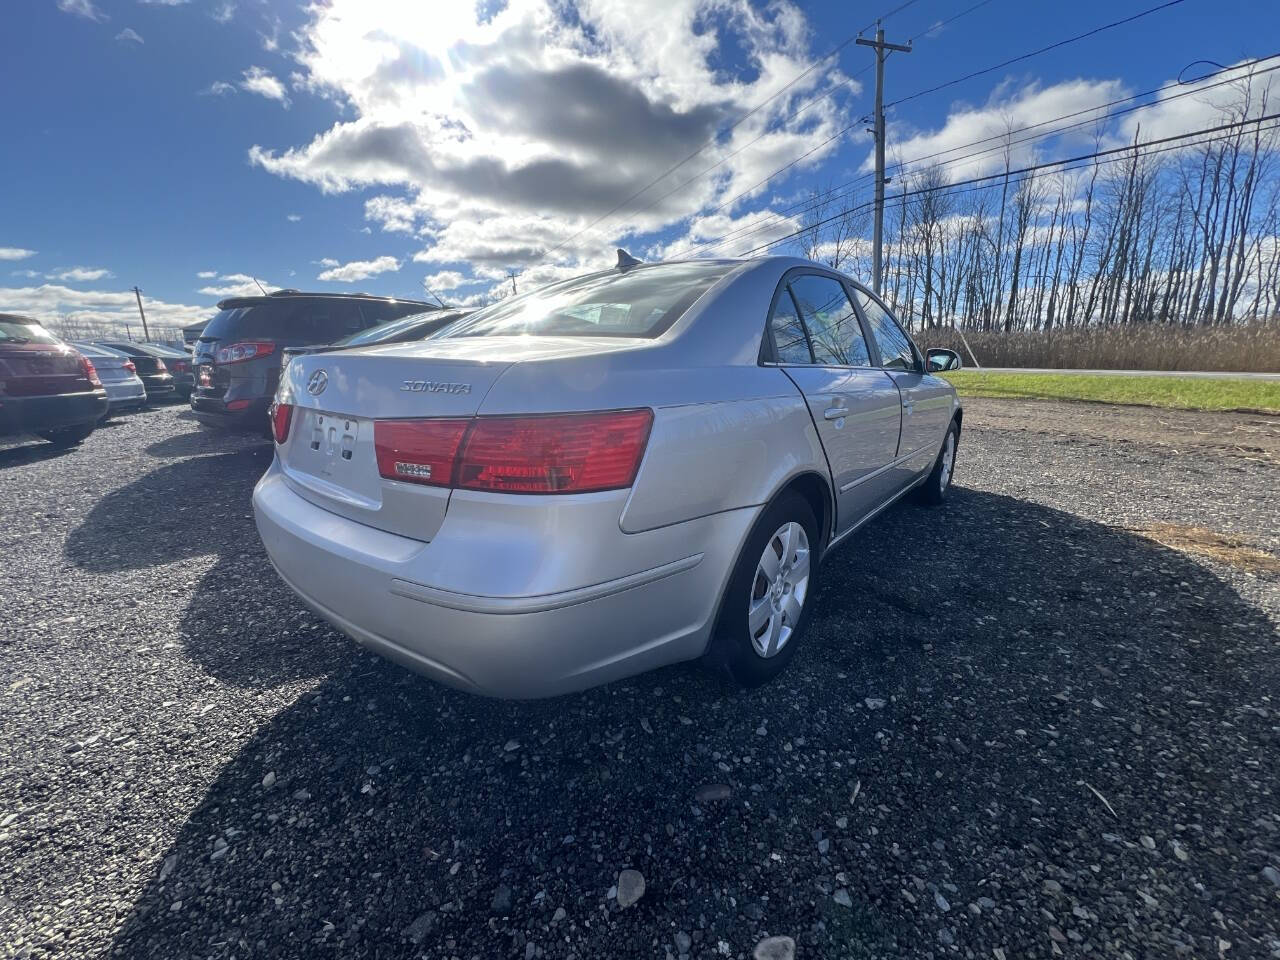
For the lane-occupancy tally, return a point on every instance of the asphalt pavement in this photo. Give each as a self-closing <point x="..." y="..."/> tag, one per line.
<point x="1033" y="722"/>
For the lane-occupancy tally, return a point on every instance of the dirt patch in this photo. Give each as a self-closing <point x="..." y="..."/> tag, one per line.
<point x="1238" y="435"/>
<point x="1225" y="548"/>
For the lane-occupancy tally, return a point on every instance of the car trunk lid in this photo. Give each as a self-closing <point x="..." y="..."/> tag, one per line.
<point x="40" y="369"/>
<point x="329" y="457"/>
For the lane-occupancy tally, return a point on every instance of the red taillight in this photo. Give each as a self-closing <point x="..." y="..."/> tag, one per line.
<point x="571" y="453"/>
<point x="562" y="453"/>
<point x="181" y="366"/>
<point x="160" y="367"/>
<point x="418" y="451"/>
<point x="281" y="417"/>
<point x="129" y="365"/>
<point x="247" y="350"/>
<point x="90" y="374"/>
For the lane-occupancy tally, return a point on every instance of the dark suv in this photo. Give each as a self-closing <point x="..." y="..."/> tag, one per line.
<point x="237" y="355"/>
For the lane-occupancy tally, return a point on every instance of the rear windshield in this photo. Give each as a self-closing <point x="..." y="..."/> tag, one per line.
<point x="642" y="302"/>
<point x="304" y="320"/>
<point x="16" y="331"/>
<point x="393" y="329"/>
<point x="93" y="350"/>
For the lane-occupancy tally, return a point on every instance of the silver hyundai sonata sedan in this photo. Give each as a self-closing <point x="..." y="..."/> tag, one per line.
<point x="610" y="474"/>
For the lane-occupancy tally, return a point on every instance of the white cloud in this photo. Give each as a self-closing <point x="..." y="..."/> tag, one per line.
<point x="129" y="34"/>
<point x="82" y="8"/>
<point x="293" y="217"/>
<point x="1000" y="122"/>
<point x="461" y="118"/>
<point x="29" y="274"/>
<point x="163" y="3"/>
<point x="79" y="274"/>
<point x="223" y="12"/>
<point x="219" y="88"/>
<point x="360" y="269"/>
<point x="237" y="285"/>
<point x="261" y="82"/>
<point x="444" y="280"/>
<point x="207" y="274"/>
<point x="15" y="253"/>
<point x="325" y="262"/>
<point x="104" y="310"/>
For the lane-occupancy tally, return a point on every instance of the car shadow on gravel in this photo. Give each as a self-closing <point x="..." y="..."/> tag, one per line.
<point x="185" y="509"/>
<point x="921" y="782"/>
<point x="32" y="451"/>
<point x="199" y="441"/>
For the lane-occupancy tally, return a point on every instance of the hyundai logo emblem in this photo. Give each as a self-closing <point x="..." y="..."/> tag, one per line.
<point x="319" y="380"/>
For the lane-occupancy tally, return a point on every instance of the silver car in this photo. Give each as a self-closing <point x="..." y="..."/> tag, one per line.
<point x="613" y="473"/>
<point x="118" y="375"/>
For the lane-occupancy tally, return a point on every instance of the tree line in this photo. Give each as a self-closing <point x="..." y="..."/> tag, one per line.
<point x="1187" y="237"/>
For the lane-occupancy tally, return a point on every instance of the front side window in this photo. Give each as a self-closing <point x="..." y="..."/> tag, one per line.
<point x="642" y="302"/>
<point x="833" y="326"/>
<point x="895" y="346"/>
<point x="788" y="332"/>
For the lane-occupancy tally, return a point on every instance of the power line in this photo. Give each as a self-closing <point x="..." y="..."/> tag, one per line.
<point x="1131" y="148"/>
<point x="756" y="139"/>
<point x="1021" y="57"/>
<point x="1036" y="53"/>
<point x="714" y="138"/>
<point x="840" y="190"/>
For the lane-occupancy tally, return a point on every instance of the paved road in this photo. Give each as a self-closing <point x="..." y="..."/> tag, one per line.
<point x="1134" y="373"/>
<point x="1022" y="726"/>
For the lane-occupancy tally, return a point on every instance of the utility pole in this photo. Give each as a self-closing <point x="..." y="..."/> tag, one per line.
<point x="511" y="275"/>
<point x="877" y="238"/>
<point x="145" y="335"/>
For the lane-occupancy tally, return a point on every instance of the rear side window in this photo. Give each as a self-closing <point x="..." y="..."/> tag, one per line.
<point x="789" y="337"/>
<point x="895" y="346"/>
<point x="833" y="326"/>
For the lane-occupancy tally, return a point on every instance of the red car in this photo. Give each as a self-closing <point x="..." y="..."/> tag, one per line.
<point x="46" y="387"/>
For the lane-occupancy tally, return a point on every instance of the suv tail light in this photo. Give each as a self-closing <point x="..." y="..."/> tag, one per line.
<point x="130" y="366"/>
<point x="160" y="367"/>
<point x="90" y="373"/>
<point x="281" y="418"/>
<point x="245" y="350"/>
<point x="560" y="453"/>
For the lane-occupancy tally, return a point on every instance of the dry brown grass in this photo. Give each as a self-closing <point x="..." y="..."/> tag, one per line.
<point x="1254" y="348"/>
<point x="1225" y="548"/>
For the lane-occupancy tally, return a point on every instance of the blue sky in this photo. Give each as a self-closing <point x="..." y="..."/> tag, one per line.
<point x="151" y="142"/>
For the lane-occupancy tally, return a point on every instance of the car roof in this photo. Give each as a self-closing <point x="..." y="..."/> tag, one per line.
<point x="232" y="303"/>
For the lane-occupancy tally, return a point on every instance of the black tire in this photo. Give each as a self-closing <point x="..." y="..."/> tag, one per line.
<point x="68" y="436"/>
<point x="935" y="488"/>
<point x="731" y="650"/>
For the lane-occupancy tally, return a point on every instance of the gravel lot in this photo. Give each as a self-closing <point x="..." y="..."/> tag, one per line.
<point x="1042" y="720"/>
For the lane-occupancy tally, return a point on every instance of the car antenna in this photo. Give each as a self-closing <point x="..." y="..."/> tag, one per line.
<point x="626" y="261"/>
<point x="261" y="287"/>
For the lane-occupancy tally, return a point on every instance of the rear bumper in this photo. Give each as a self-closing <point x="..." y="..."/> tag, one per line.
<point x="124" y="395"/>
<point x="34" y="414"/>
<point x="212" y="412"/>
<point x="158" y="385"/>
<point x="389" y="594"/>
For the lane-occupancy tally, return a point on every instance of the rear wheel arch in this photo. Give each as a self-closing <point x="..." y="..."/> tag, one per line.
<point x="817" y="492"/>
<point x="958" y="417"/>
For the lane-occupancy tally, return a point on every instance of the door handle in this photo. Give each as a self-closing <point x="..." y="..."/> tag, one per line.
<point x="835" y="413"/>
<point x="907" y="405"/>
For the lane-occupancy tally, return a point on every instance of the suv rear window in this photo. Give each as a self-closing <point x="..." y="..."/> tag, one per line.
<point x="302" y="320"/>
<point x="17" y="331"/>
<point x="643" y="302"/>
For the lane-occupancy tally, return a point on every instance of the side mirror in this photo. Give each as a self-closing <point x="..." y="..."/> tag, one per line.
<point x="938" y="359"/>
